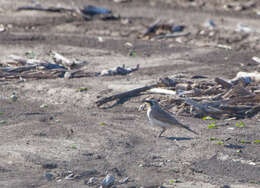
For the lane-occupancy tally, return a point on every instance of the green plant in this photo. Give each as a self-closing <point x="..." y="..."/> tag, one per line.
<point x="82" y="89"/>
<point x="240" y="124"/>
<point x="74" y="146"/>
<point x="208" y="118"/>
<point x="245" y="141"/>
<point x="30" y="54"/>
<point x="132" y="54"/>
<point x="256" y="141"/>
<point x="220" y="143"/>
<point x="172" y="181"/>
<point x="213" y="138"/>
<point x="212" y="125"/>
<point x="1" y="113"/>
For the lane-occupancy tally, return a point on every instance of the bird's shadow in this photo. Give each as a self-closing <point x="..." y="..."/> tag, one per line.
<point x="178" y="138"/>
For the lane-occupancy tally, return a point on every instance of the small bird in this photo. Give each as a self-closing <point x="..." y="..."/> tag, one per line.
<point x="160" y="118"/>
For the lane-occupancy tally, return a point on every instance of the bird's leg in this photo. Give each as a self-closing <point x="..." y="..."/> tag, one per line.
<point x="163" y="130"/>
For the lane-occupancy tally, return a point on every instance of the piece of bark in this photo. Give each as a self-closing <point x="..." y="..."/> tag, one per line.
<point x="253" y="111"/>
<point x="235" y="109"/>
<point x="82" y="73"/>
<point x="224" y="83"/>
<point x="124" y="95"/>
<point x="246" y="100"/>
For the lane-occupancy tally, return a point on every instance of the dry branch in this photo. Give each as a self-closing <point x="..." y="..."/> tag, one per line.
<point x="223" y="83"/>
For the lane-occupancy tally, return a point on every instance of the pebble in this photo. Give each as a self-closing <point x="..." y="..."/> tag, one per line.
<point x="91" y="181"/>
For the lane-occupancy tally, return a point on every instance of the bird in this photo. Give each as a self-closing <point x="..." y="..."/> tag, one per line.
<point x="160" y="118"/>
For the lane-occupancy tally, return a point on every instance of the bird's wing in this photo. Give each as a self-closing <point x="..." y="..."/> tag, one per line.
<point x="163" y="116"/>
<point x="167" y="118"/>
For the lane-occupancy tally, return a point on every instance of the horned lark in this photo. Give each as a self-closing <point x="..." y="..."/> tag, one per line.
<point x="160" y="118"/>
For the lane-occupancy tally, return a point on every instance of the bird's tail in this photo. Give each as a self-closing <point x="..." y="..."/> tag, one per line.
<point x="189" y="129"/>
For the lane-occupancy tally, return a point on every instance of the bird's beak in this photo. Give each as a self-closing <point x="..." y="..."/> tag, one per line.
<point x="147" y="101"/>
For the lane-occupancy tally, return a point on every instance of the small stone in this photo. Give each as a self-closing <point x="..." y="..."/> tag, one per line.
<point x="212" y="33"/>
<point x="49" y="165"/>
<point x="123" y="181"/>
<point x="49" y="176"/>
<point x="128" y="44"/>
<point x="108" y="181"/>
<point x="13" y="97"/>
<point x="202" y="32"/>
<point x="2" y="28"/>
<point x="100" y="39"/>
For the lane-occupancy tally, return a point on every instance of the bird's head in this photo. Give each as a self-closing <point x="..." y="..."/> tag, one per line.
<point x="151" y="103"/>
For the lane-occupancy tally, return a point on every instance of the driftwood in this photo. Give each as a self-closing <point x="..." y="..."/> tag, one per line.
<point x="205" y="109"/>
<point x="124" y="95"/>
<point x="223" y="83"/>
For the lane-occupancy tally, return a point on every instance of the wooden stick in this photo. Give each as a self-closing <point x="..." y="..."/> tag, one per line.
<point x="18" y="69"/>
<point x="124" y="95"/>
<point x="152" y="27"/>
<point x="49" y="9"/>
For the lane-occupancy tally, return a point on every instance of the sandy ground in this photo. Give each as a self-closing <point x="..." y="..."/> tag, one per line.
<point x="40" y="147"/>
